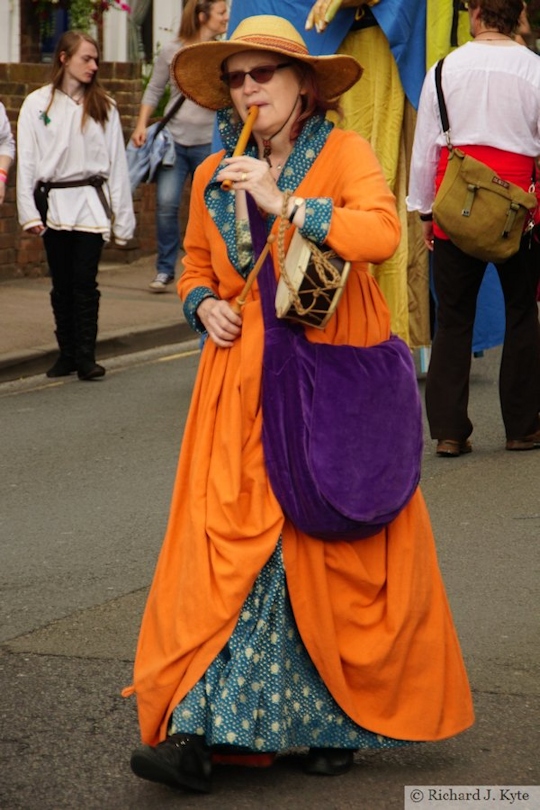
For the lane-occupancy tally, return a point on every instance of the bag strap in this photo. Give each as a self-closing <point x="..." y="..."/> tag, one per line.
<point x="174" y="109"/>
<point x="266" y="278"/>
<point x="443" y="112"/>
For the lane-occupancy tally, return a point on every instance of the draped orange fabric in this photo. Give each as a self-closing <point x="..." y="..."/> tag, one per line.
<point x="372" y="613"/>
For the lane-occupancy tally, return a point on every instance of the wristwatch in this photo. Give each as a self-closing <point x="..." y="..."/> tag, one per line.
<point x="298" y="202"/>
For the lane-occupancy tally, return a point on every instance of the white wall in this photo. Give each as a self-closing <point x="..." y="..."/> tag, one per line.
<point x="10" y="45"/>
<point x="166" y="22"/>
<point x="115" y="36"/>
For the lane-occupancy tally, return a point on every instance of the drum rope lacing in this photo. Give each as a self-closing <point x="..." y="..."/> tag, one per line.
<point x="329" y="277"/>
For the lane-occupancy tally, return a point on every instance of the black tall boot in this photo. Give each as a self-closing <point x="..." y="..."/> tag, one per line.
<point x="62" y="308"/>
<point x="86" y="324"/>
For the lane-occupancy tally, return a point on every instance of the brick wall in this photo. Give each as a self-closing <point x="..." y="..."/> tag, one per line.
<point x="23" y="255"/>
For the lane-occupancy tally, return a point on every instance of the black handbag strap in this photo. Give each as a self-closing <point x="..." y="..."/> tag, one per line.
<point x="443" y="112"/>
<point x="166" y="118"/>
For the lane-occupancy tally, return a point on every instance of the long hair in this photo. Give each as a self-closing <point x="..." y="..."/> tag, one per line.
<point x="500" y="15"/>
<point x="96" y="102"/>
<point x="190" y="23"/>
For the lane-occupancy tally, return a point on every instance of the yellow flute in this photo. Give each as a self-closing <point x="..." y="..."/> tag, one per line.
<point x="240" y="147"/>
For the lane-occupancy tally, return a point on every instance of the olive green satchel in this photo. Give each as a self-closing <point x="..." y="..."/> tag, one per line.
<point x="484" y="215"/>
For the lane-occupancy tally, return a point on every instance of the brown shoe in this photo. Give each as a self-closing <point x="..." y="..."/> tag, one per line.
<point x="450" y="448"/>
<point x="527" y="443"/>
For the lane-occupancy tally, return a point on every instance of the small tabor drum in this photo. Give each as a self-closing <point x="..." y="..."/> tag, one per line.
<point x="311" y="283"/>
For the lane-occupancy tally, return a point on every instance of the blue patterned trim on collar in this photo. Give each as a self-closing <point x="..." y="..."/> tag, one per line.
<point x="221" y="204"/>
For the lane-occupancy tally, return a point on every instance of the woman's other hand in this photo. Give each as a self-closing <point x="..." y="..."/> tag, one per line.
<point x="220" y="321"/>
<point x="427" y="234"/>
<point x="139" y="135"/>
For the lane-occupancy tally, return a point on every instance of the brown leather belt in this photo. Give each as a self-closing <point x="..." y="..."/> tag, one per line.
<point x="95" y="180"/>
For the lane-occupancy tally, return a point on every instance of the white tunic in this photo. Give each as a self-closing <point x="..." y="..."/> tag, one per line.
<point x="54" y="148"/>
<point x="492" y="93"/>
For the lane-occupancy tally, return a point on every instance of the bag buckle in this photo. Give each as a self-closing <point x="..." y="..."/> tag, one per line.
<point x="469" y="199"/>
<point x="510" y="219"/>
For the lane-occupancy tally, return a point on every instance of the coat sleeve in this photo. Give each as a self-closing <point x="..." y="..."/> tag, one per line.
<point x="123" y="221"/>
<point x="362" y="224"/>
<point x="28" y="154"/>
<point x="426" y="150"/>
<point x="7" y="141"/>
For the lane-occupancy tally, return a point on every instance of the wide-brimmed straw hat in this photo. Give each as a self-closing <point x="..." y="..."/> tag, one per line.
<point x="196" y="69"/>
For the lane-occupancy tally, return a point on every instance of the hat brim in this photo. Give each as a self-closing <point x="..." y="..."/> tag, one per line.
<point x="196" y="70"/>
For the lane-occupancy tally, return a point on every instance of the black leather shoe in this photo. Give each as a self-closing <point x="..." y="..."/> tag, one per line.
<point x="329" y="761"/>
<point x="180" y="761"/>
<point x="63" y="367"/>
<point x="88" y="370"/>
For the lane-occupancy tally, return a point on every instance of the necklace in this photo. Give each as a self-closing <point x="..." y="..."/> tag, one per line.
<point x="77" y="97"/>
<point x="267" y="142"/>
<point x="500" y="38"/>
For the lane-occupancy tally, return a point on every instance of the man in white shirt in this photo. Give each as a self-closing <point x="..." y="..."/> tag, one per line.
<point x="492" y="92"/>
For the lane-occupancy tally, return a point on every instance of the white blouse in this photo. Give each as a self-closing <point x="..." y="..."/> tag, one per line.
<point x="53" y="147"/>
<point x="492" y="93"/>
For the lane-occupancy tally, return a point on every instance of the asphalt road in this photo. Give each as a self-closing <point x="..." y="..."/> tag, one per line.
<point x="86" y="472"/>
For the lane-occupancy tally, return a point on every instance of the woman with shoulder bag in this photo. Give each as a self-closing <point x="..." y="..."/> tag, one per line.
<point x="257" y="636"/>
<point x="191" y="129"/>
<point x="491" y="87"/>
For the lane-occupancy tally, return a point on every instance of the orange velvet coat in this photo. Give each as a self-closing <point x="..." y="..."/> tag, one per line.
<point x="372" y="613"/>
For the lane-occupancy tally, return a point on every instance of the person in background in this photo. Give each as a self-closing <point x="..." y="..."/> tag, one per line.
<point x="7" y="151"/>
<point x="494" y="116"/>
<point x="256" y="636"/>
<point x="524" y="33"/>
<point x="191" y="129"/>
<point x="73" y="191"/>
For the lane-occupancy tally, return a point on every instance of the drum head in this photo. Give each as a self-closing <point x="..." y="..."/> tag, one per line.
<point x="306" y="297"/>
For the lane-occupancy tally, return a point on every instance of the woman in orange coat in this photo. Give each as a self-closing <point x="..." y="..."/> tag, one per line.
<point x="255" y="635"/>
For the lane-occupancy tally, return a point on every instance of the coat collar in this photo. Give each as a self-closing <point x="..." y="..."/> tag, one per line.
<point x="221" y="204"/>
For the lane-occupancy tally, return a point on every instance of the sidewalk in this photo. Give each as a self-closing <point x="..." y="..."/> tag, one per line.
<point x="131" y="318"/>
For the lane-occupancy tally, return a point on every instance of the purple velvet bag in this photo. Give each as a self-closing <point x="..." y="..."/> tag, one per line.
<point x="342" y="425"/>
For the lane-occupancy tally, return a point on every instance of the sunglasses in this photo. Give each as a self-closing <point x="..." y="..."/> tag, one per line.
<point x="262" y="75"/>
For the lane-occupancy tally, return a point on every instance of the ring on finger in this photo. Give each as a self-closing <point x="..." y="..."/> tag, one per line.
<point x="243" y="177"/>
